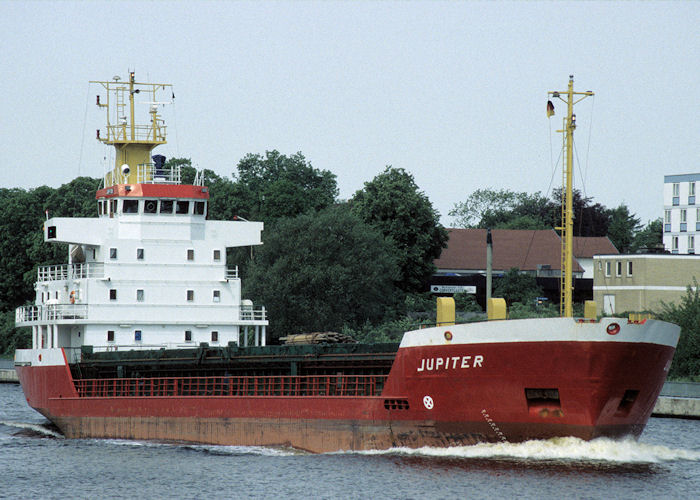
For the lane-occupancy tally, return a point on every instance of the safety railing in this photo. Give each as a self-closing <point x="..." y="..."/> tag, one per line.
<point x="74" y="271"/>
<point x="248" y="313"/>
<point x="232" y="273"/>
<point x="149" y="173"/>
<point x="50" y="312"/>
<point x="296" y="386"/>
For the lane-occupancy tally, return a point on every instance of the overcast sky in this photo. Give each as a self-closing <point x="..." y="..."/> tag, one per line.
<point x="453" y="92"/>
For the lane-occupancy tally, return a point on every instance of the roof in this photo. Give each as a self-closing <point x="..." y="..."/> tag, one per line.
<point x="524" y="249"/>
<point x="587" y="246"/>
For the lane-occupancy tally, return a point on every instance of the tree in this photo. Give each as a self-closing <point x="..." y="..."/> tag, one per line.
<point x="276" y="186"/>
<point x="515" y="286"/>
<point x="323" y="271"/>
<point x="686" y="314"/>
<point x="393" y="203"/>
<point x="471" y="212"/>
<point x="650" y="238"/>
<point x="622" y="228"/>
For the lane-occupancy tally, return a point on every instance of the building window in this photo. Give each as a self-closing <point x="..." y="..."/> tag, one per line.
<point x="190" y="295"/>
<point x="608" y="268"/>
<point x="684" y="220"/>
<point x="691" y="189"/>
<point x="112" y="253"/>
<point x="674" y="244"/>
<point x="188" y="335"/>
<point x="216" y="296"/>
<point x="618" y="268"/>
<point x="691" y="244"/>
<point x="139" y="295"/>
<point x="190" y="254"/>
<point x="217" y="255"/>
<point x="110" y="335"/>
<point x="214" y="336"/>
<point x="676" y="189"/>
<point x="139" y="254"/>
<point x="113" y="294"/>
<point x="629" y="268"/>
<point x="137" y="335"/>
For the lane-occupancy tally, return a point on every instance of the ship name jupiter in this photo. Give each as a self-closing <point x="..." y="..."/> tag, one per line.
<point x="450" y="363"/>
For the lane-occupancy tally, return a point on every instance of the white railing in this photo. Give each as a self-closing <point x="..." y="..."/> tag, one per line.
<point x="147" y="173"/>
<point x="50" y="312"/>
<point x="75" y="271"/>
<point x="232" y="273"/>
<point x="249" y="313"/>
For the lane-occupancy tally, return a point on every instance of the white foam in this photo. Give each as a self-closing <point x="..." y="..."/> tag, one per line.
<point x="205" y="448"/>
<point x="38" y="428"/>
<point x="566" y="449"/>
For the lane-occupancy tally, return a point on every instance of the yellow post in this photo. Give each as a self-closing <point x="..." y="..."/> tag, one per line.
<point x="445" y="311"/>
<point x="496" y="309"/>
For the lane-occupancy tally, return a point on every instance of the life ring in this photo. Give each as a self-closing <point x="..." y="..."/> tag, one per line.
<point x="72" y="297"/>
<point x="613" y="329"/>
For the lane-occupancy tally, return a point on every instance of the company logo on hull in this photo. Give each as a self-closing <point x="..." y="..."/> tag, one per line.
<point x="450" y="363"/>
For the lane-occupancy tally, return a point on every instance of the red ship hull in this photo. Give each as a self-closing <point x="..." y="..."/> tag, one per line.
<point x="436" y="395"/>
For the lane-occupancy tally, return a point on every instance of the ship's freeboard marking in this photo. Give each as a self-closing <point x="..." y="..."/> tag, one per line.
<point x="450" y="363"/>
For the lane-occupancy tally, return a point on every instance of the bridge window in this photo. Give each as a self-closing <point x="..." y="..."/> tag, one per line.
<point x="190" y="254"/>
<point x="190" y="295"/>
<point x="113" y="294"/>
<point x="137" y="335"/>
<point x="217" y="255"/>
<point x="112" y="253"/>
<point x="139" y="295"/>
<point x="214" y="336"/>
<point x="216" y="296"/>
<point x="199" y="207"/>
<point x="166" y="206"/>
<point x="110" y="335"/>
<point x="182" y="207"/>
<point x="150" y="207"/>
<point x="188" y="335"/>
<point x="130" y="206"/>
<point x="139" y="253"/>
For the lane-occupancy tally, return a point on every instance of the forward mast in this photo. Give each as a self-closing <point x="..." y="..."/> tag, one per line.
<point x="566" y="287"/>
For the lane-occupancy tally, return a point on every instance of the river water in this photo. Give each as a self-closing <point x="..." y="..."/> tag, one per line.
<point x="36" y="462"/>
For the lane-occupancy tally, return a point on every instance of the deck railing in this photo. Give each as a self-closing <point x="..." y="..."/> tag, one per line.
<point x="74" y="271"/>
<point x="50" y="312"/>
<point x="300" y="385"/>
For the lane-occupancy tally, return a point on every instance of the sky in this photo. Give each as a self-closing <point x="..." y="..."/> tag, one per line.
<point x="452" y="92"/>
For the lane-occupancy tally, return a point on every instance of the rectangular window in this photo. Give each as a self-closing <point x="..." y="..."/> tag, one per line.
<point x="667" y="216"/>
<point x="684" y="215"/>
<point x="674" y="244"/>
<point x="51" y="233"/>
<point x="691" y="189"/>
<point x="199" y="207"/>
<point x="618" y="268"/>
<point x="150" y="207"/>
<point x="217" y="255"/>
<point x="608" y="268"/>
<point x="113" y="294"/>
<point x="676" y="189"/>
<point x="166" y="206"/>
<point x="137" y="335"/>
<point x="691" y="244"/>
<point x="139" y="254"/>
<point x="130" y="206"/>
<point x="190" y="295"/>
<point x="216" y="296"/>
<point x="110" y="335"/>
<point x="188" y="335"/>
<point x="215" y="336"/>
<point x="182" y="207"/>
<point x="190" y="254"/>
<point x="629" y="268"/>
<point x="112" y="253"/>
<point x="139" y="295"/>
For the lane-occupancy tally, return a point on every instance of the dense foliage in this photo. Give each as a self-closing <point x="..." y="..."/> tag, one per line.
<point x="323" y="271"/>
<point x="686" y="314"/>
<point x="393" y="203"/>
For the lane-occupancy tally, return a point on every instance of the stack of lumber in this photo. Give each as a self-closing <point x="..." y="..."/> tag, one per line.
<point x="318" y="338"/>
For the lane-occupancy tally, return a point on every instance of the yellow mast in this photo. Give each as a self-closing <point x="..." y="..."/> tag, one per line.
<point x="133" y="143"/>
<point x="567" y="223"/>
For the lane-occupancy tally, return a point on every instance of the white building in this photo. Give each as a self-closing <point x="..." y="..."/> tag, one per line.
<point x="681" y="213"/>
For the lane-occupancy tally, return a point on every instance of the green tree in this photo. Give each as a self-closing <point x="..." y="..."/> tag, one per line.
<point x="650" y="238"/>
<point x="470" y="213"/>
<point x="622" y="228"/>
<point x="323" y="271"/>
<point x="276" y="185"/>
<point x="686" y="314"/>
<point x="393" y="203"/>
<point x="515" y="286"/>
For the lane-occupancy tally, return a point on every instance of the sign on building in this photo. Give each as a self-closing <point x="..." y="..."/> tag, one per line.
<point x="453" y="289"/>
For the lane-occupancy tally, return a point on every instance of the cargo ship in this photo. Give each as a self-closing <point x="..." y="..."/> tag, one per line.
<point x="144" y="335"/>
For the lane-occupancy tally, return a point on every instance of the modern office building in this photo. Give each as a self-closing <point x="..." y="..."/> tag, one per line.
<point x="681" y="213"/>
